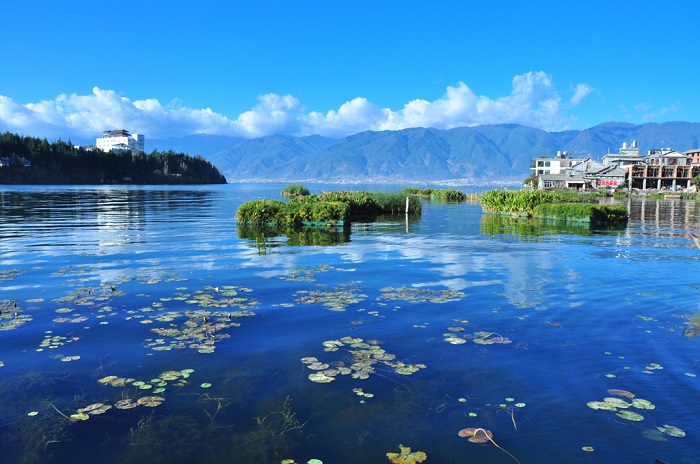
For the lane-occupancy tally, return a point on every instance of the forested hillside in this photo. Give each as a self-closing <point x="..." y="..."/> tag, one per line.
<point x="30" y="160"/>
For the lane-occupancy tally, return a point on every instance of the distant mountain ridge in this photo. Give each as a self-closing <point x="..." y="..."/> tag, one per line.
<point x="501" y="152"/>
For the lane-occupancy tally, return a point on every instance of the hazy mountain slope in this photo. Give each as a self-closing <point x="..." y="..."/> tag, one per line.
<point x="476" y="154"/>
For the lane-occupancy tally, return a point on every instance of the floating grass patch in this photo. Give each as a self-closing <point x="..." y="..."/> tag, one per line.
<point x="553" y="205"/>
<point x="294" y="190"/>
<point x="329" y="208"/>
<point x="447" y="195"/>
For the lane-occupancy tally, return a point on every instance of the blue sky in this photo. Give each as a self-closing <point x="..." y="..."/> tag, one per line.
<point x="169" y="69"/>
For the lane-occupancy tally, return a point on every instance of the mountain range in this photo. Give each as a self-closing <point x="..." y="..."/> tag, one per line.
<point x="466" y="155"/>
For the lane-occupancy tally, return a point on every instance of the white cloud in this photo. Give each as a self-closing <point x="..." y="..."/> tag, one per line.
<point x="533" y="102"/>
<point x="581" y="91"/>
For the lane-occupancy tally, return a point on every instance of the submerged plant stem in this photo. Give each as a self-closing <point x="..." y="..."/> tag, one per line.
<point x="496" y="444"/>
<point x="60" y="412"/>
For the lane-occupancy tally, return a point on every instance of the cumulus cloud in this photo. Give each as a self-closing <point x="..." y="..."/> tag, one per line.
<point x="533" y="102"/>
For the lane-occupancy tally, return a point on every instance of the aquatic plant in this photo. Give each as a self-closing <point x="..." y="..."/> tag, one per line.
<point x="436" y="194"/>
<point x="406" y="456"/>
<point x="479" y="435"/>
<point x="281" y="421"/>
<point x="693" y="323"/>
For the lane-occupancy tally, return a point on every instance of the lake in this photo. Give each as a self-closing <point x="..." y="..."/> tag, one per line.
<point x="139" y="324"/>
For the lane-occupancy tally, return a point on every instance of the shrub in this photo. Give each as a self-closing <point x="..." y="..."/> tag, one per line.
<point x="259" y="212"/>
<point x="295" y="190"/>
<point x="448" y="195"/>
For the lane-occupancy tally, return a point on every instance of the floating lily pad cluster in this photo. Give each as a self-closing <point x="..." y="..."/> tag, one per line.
<point x="336" y="300"/>
<point x="418" y="295"/>
<point x="652" y="367"/>
<point x="12" y="318"/>
<point x="201" y="331"/>
<point x="365" y="356"/>
<point x="157" y="385"/>
<point x="623" y="411"/>
<point x="306" y="274"/>
<point x="480" y="338"/>
<point x="90" y="296"/>
<point x="693" y="326"/>
<point x="223" y="297"/>
<point x="90" y="410"/>
<point x="76" y="270"/>
<point x="9" y="274"/>
<point x="203" y="328"/>
<point x="363" y="394"/>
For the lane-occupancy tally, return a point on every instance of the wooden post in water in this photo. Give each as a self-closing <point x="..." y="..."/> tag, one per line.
<point x="407" y="214"/>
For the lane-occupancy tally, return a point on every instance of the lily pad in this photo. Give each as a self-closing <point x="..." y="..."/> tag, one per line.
<point x="151" y="401"/>
<point x="476" y="435"/>
<point x="320" y="377"/>
<point x="654" y="435"/>
<point x="642" y="404"/>
<point x="406" y="456"/>
<point x="126" y="404"/>
<point x="79" y="416"/>
<point x="617" y="402"/>
<point x="671" y="430"/>
<point x="630" y="415"/>
<point x="601" y="405"/>
<point x="205" y="385"/>
<point x="625" y="393"/>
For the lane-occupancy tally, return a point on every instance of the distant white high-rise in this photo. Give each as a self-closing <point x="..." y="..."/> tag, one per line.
<point x="120" y="139"/>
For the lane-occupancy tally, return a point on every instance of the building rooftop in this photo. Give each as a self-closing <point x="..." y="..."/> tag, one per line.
<point x="115" y="133"/>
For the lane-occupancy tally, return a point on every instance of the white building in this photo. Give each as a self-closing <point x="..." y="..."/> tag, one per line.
<point x="556" y="165"/>
<point x="120" y="139"/>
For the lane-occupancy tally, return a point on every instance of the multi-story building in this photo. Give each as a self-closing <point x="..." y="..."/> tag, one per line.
<point x="556" y="165"/>
<point x="628" y="155"/>
<point x="120" y="139"/>
<point x="693" y="156"/>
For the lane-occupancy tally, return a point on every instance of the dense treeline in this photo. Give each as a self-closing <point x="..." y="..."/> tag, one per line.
<point x="31" y="160"/>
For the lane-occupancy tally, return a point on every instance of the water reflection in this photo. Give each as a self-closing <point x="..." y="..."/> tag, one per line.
<point x="96" y="218"/>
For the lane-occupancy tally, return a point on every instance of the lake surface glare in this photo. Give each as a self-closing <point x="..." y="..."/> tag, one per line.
<point x="141" y="324"/>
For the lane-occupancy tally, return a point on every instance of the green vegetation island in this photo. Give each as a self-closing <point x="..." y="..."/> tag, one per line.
<point x="337" y="208"/>
<point x="31" y="160"/>
<point x="327" y="209"/>
<point x="554" y="204"/>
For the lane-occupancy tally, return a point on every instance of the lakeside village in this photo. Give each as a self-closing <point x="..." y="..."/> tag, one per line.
<point x="663" y="169"/>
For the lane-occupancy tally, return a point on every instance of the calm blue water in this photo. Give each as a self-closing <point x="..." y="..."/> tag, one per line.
<point x="135" y="282"/>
